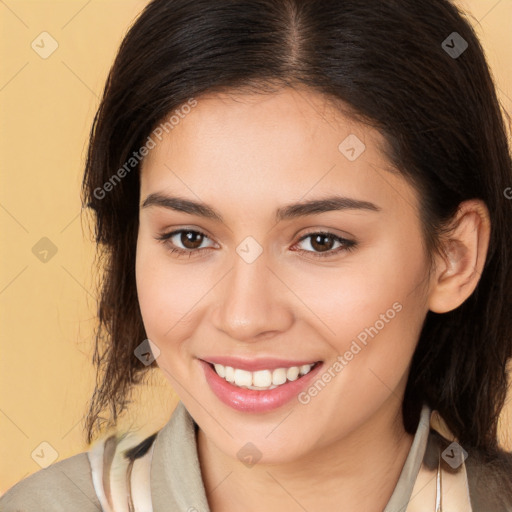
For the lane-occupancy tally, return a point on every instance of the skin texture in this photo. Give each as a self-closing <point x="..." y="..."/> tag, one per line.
<point x="245" y="156"/>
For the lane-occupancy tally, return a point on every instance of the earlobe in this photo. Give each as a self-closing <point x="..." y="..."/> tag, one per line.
<point x="459" y="267"/>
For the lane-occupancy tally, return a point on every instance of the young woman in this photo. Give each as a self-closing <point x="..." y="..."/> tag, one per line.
<point x="304" y="212"/>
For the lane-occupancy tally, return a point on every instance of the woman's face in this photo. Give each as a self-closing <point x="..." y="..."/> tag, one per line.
<point x="261" y="290"/>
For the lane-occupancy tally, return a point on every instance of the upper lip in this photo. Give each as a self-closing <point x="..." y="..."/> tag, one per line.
<point x="262" y="363"/>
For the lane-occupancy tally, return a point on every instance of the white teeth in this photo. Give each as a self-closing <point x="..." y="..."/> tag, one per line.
<point x="243" y="378"/>
<point x="257" y="388"/>
<point x="220" y="370"/>
<point x="230" y="374"/>
<point x="293" y="373"/>
<point x="305" y="368"/>
<point x="261" y="379"/>
<point x="279" y="376"/>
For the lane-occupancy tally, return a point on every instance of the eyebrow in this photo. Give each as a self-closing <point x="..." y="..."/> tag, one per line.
<point x="291" y="211"/>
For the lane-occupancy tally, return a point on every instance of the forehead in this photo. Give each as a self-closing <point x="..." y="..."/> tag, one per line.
<point x="299" y="119"/>
<point x="253" y="147"/>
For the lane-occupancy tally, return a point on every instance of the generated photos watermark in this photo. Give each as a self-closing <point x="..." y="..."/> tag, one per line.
<point x="137" y="156"/>
<point x="357" y="345"/>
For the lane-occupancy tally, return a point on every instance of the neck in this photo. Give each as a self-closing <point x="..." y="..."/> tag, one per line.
<point x="357" y="472"/>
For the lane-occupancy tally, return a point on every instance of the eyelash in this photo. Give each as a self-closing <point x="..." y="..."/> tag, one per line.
<point x="347" y="245"/>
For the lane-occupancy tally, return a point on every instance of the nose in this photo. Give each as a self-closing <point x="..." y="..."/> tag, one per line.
<point x="252" y="302"/>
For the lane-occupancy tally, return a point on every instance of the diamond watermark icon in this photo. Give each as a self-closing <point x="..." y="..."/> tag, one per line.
<point x="352" y="147"/>
<point x="249" y="455"/>
<point x="44" y="45"/>
<point x="147" y="352"/>
<point x="45" y="454"/>
<point x="249" y="250"/>
<point x="44" y="250"/>
<point x="454" y="45"/>
<point x="454" y="455"/>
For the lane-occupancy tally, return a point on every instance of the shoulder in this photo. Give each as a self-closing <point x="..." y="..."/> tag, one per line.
<point x="89" y="481"/>
<point x="63" y="486"/>
<point x="490" y="480"/>
<point x="489" y="477"/>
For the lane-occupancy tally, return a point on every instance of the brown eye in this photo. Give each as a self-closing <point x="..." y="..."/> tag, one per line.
<point x="191" y="239"/>
<point x="184" y="241"/>
<point x="322" y="244"/>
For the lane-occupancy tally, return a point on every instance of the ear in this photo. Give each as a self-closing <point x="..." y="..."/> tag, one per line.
<point x="464" y="250"/>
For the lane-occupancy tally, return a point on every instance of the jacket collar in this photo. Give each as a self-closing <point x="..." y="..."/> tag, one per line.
<point x="176" y="481"/>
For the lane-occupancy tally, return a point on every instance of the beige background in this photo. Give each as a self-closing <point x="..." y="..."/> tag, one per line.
<point x="47" y="308"/>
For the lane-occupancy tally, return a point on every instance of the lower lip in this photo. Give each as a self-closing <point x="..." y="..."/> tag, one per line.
<point x="250" y="400"/>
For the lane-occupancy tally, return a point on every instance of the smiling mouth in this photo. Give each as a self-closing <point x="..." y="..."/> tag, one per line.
<point x="262" y="380"/>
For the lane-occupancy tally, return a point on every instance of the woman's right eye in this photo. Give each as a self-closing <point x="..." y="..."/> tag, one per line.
<point x="190" y="239"/>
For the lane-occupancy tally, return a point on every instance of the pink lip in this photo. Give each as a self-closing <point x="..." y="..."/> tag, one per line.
<point x="251" y="400"/>
<point x="253" y="365"/>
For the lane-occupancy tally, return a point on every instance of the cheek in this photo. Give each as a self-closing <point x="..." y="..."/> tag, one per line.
<point x="371" y="309"/>
<point x="373" y="288"/>
<point x="380" y="315"/>
<point x="157" y="291"/>
<point x="169" y="294"/>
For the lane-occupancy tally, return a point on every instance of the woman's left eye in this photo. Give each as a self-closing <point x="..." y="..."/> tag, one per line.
<point x="324" y="242"/>
<point x="192" y="240"/>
